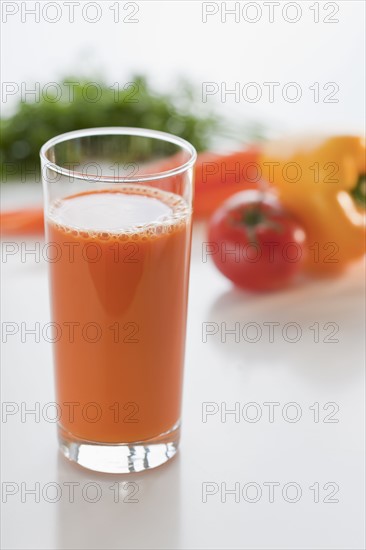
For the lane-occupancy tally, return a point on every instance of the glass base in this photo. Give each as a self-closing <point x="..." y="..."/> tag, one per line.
<point x="120" y="458"/>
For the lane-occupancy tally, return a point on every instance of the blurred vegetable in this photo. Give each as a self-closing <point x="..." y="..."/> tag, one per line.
<point x="255" y="242"/>
<point x="135" y="104"/>
<point x="323" y="183"/>
<point x="359" y="192"/>
<point x="216" y="176"/>
<point x="27" y="221"/>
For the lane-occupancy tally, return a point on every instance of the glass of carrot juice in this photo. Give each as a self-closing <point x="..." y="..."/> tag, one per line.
<point x="118" y="206"/>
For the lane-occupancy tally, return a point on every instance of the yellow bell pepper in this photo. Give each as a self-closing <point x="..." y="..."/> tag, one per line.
<point x="322" y="182"/>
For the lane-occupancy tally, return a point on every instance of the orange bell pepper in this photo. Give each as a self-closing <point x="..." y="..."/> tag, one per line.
<point x="317" y="181"/>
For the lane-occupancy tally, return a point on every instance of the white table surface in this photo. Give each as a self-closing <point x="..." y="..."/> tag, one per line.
<point x="170" y="512"/>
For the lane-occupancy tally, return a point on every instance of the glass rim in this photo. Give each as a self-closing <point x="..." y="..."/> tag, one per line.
<point x="120" y="131"/>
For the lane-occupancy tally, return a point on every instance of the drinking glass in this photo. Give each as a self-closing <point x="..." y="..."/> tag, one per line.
<point x="118" y="206"/>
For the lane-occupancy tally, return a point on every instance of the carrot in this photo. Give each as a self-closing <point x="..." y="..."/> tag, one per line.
<point x="26" y="221"/>
<point x="216" y="178"/>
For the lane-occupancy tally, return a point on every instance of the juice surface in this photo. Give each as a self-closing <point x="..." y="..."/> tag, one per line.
<point x="119" y="284"/>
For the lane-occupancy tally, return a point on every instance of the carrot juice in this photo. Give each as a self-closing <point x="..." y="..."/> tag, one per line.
<point x="119" y="300"/>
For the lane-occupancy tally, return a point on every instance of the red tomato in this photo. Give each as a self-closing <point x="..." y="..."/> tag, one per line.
<point x="255" y="243"/>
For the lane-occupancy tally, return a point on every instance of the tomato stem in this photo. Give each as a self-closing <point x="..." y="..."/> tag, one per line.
<point x="254" y="216"/>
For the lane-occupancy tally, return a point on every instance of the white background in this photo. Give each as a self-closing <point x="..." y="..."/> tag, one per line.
<point x="170" y="41"/>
